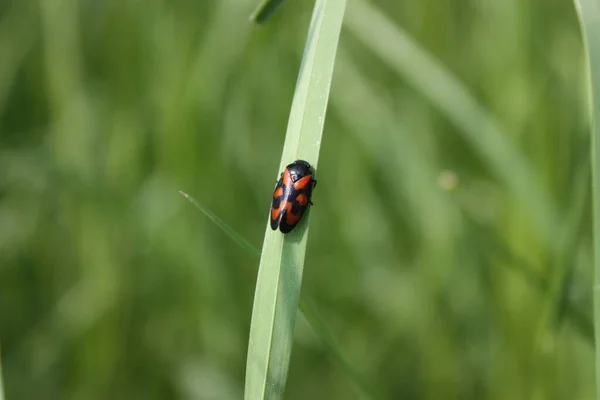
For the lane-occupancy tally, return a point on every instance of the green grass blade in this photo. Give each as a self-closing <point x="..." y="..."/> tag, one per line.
<point x="16" y="40"/>
<point x="308" y="312"/>
<point x="282" y="260"/>
<point x="1" y="379"/>
<point x="453" y="99"/>
<point x="365" y="113"/>
<point x="264" y="10"/>
<point x="491" y="244"/>
<point x="589" y="18"/>
<point x="243" y="243"/>
<point x="317" y="324"/>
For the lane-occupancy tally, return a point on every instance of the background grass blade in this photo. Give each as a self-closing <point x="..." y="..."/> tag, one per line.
<point x="481" y="130"/>
<point x="1" y="379"/>
<point x="370" y="121"/>
<point x="308" y="312"/>
<point x="243" y="243"/>
<point x="280" y="272"/>
<point x="589" y="17"/>
<point x="265" y="10"/>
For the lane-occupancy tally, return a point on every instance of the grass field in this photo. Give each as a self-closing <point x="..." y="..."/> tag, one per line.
<point x="450" y="253"/>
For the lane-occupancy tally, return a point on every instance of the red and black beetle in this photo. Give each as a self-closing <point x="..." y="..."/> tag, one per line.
<point x="292" y="195"/>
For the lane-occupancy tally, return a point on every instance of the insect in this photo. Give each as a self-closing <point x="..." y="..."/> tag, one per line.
<point x="292" y="195"/>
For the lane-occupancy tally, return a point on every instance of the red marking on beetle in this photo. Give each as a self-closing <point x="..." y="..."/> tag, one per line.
<point x="278" y="192"/>
<point x="287" y="179"/>
<point x="290" y="217"/>
<point x="303" y="182"/>
<point x="276" y="211"/>
<point x="302" y="199"/>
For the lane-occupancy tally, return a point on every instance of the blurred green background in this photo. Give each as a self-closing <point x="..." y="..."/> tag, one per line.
<point x="439" y="278"/>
